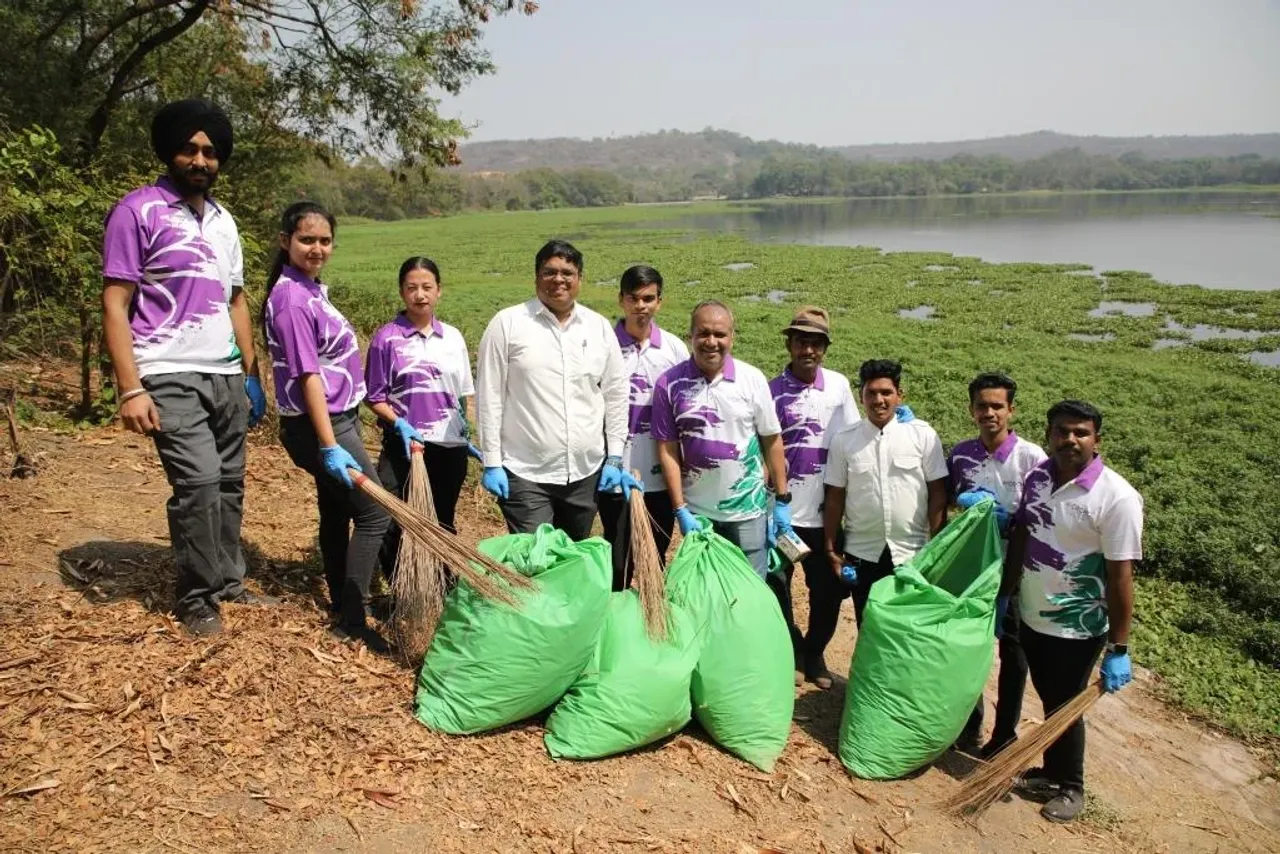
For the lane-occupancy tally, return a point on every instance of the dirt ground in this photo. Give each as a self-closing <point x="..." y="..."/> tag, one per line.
<point x="119" y="733"/>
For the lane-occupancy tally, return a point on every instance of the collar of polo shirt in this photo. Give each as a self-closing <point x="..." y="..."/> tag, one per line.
<point x="1087" y="477"/>
<point x="407" y="328"/>
<point x="818" y="384"/>
<point x="626" y="339"/>
<point x="173" y="198"/>
<point x="1005" y="450"/>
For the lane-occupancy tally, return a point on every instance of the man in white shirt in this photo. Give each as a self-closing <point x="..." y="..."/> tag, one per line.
<point x="994" y="465"/>
<point x="647" y="353"/>
<point x="886" y="492"/>
<point x="1075" y="538"/>
<point x="551" y="399"/>
<point x="717" y="432"/>
<point x="814" y="404"/>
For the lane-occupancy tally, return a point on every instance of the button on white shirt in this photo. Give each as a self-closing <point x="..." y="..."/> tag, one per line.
<point x="551" y="399"/>
<point x="885" y="475"/>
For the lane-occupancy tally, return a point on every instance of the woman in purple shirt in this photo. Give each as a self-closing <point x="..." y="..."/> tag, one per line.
<point x="315" y="363"/>
<point x="419" y="375"/>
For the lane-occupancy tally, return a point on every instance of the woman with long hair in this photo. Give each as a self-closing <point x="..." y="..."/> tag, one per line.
<point x="418" y="373"/>
<point x="315" y="363"/>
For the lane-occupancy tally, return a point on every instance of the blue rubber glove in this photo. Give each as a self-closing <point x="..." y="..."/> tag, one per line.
<point x="965" y="500"/>
<point x="1117" y="671"/>
<point x="849" y="575"/>
<point x="1002" y="611"/>
<point x="473" y="451"/>
<point x="782" y="517"/>
<point x="771" y="533"/>
<point x="494" y="480"/>
<point x="336" y="461"/>
<point x="257" y="400"/>
<point x="903" y="414"/>
<point x="688" y="522"/>
<point x="407" y="434"/>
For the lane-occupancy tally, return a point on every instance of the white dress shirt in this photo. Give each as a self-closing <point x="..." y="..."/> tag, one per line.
<point x="551" y="399"/>
<point x="885" y="475"/>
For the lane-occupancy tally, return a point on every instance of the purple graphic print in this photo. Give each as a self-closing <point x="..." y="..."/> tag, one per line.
<point x="640" y="415"/>
<point x="701" y="454"/>
<point x="965" y="463"/>
<point x="307" y="335"/>
<point x="1038" y="517"/>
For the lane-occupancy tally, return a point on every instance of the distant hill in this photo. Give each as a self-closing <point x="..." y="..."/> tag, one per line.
<point x="717" y="151"/>
<point x="1028" y="146"/>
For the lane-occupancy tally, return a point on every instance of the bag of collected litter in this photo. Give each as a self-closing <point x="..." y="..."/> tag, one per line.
<point x="924" y="650"/>
<point x="634" y="692"/>
<point x="490" y="664"/>
<point x="743" y="688"/>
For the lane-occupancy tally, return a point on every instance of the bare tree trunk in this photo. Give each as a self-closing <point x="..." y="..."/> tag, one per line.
<point x="86" y="360"/>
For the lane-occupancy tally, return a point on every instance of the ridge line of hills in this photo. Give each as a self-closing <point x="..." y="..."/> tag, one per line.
<point x="716" y="149"/>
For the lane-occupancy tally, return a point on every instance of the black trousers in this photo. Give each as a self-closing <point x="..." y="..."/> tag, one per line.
<point x="615" y="518"/>
<point x="781" y="588"/>
<point x="349" y="559"/>
<point x="1011" y="684"/>
<point x="869" y="572"/>
<point x="446" y="472"/>
<point x="1060" y="669"/>
<point x="571" y="507"/>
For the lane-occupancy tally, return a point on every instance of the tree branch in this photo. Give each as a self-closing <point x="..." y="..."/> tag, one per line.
<point x="97" y="124"/>
<point x="90" y="43"/>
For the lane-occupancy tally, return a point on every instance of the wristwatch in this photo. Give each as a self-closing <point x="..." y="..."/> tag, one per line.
<point x="783" y="498"/>
<point x="1118" y="648"/>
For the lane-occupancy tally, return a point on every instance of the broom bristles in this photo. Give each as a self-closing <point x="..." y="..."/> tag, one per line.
<point x="418" y="586"/>
<point x="650" y="582"/>
<point x="472" y="565"/>
<point x="995" y="778"/>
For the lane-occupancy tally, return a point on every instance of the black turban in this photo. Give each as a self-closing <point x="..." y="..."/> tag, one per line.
<point x="177" y="122"/>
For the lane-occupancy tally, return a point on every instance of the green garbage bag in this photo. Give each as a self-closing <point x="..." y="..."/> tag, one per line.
<point x="490" y="664"/>
<point x="924" y="650"/>
<point x="743" y="686"/>
<point x="633" y="693"/>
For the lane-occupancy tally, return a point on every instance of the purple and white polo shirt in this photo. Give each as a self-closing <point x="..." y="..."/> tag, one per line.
<point x="718" y="424"/>
<point x="1072" y="531"/>
<point x="307" y="335"/>
<point x="185" y="268"/>
<point x="423" y="375"/>
<point x="970" y="466"/>
<point x="811" y="414"/>
<point x="644" y="363"/>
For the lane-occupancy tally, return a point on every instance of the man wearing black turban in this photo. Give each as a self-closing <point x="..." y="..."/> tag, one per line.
<point x="177" y="327"/>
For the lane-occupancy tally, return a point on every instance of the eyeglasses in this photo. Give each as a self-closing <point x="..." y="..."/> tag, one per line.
<point x="555" y="274"/>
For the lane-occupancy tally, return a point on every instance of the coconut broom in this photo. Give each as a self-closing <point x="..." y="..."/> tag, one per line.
<point x="995" y="778"/>
<point x="418" y="585"/>
<point x="649" y="580"/>
<point x="473" y="566"/>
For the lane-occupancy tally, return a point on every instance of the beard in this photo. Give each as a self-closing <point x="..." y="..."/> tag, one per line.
<point x="182" y="179"/>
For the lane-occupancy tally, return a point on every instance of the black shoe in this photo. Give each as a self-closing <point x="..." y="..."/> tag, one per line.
<point x="245" y="597"/>
<point x="970" y="744"/>
<point x="382" y="607"/>
<point x="815" y="670"/>
<point x="1034" y="784"/>
<point x="370" y="638"/>
<point x="201" y="622"/>
<point x="992" y="747"/>
<point x="1065" y="807"/>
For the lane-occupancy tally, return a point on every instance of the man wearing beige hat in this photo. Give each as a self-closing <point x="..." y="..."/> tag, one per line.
<point x="813" y="403"/>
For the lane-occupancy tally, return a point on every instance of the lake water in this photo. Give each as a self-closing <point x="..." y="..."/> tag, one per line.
<point x="1217" y="240"/>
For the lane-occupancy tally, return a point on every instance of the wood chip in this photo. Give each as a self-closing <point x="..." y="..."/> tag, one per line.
<point x="19" y="661"/>
<point x="731" y="794"/>
<point x="41" y="786"/>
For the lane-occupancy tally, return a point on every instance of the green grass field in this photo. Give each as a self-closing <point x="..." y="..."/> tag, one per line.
<point x="1194" y="427"/>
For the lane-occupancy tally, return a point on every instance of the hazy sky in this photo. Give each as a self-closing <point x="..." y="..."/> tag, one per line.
<point x="855" y="71"/>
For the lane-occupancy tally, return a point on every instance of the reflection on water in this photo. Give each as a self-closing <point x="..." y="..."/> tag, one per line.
<point x="920" y="312"/>
<point x="1218" y="240"/>
<point x="1128" y="309"/>
<point x="739" y="265"/>
<point x="1270" y="360"/>
<point x="1091" y="337"/>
